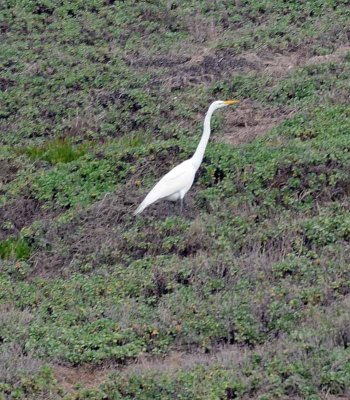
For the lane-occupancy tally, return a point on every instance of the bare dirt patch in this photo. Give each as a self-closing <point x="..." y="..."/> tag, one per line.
<point x="336" y="56"/>
<point x="6" y="83"/>
<point x="87" y="376"/>
<point x="157" y="62"/>
<point x="21" y="212"/>
<point x="205" y="66"/>
<point x="8" y="172"/>
<point x="251" y="120"/>
<point x="217" y="64"/>
<point x="208" y="65"/>
<point x="280" y="65"/>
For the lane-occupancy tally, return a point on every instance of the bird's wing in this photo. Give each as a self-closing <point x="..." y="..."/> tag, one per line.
<point x="178" y="178"/>
<point x="184" y="168"/>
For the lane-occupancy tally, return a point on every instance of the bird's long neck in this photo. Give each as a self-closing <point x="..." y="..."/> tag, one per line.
<point x="199" y="153"/>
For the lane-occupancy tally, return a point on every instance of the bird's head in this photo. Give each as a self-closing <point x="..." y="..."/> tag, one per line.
<point x="219" y="103"/>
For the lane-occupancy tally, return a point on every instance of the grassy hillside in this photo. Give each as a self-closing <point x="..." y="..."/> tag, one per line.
<point x="245" y="295"/>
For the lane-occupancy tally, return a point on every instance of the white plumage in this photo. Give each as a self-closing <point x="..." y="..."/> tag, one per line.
<point x="177" y="182"/>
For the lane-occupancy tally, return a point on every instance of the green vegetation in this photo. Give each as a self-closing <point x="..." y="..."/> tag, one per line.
<point x="246" y="295"/>
<point x="17" y="248"/>
<point x="57" y="151"/>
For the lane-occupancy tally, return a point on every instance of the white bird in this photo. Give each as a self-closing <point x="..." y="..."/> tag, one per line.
<point x="177" y="182"/>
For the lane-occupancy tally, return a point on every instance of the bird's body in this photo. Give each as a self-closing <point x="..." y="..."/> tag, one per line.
<point x="173" y="186"/>
<point x="178" y="181"/>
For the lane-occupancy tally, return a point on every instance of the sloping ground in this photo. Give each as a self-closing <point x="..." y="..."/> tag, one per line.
<point x="246" y="295"/>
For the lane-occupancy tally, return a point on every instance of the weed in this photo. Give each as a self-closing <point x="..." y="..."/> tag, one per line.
<point x="16" y="248"/>
<point x="57" y="151"/>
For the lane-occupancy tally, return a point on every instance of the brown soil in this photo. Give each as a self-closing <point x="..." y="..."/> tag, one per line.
<point x="8" y="172"/>
<point x="280" y="65"/>
<point x="250" y="120"/>
<point x="337" y="55"/>
<point x="204" y="67"/>
<point x="87" y="376"/>
<point x="22" y="212"/>
<point x="208" y="65"/>
<point x="6" y="83"/>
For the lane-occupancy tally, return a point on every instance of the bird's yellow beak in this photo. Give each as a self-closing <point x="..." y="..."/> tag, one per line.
<point x="229" y="102"/>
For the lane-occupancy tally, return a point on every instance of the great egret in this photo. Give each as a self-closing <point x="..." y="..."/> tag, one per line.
<point x="177" y="182"/>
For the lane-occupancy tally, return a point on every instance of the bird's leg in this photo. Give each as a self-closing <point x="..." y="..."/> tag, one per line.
<point x="181" y="205"/>
<point x="170" y="208"/>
